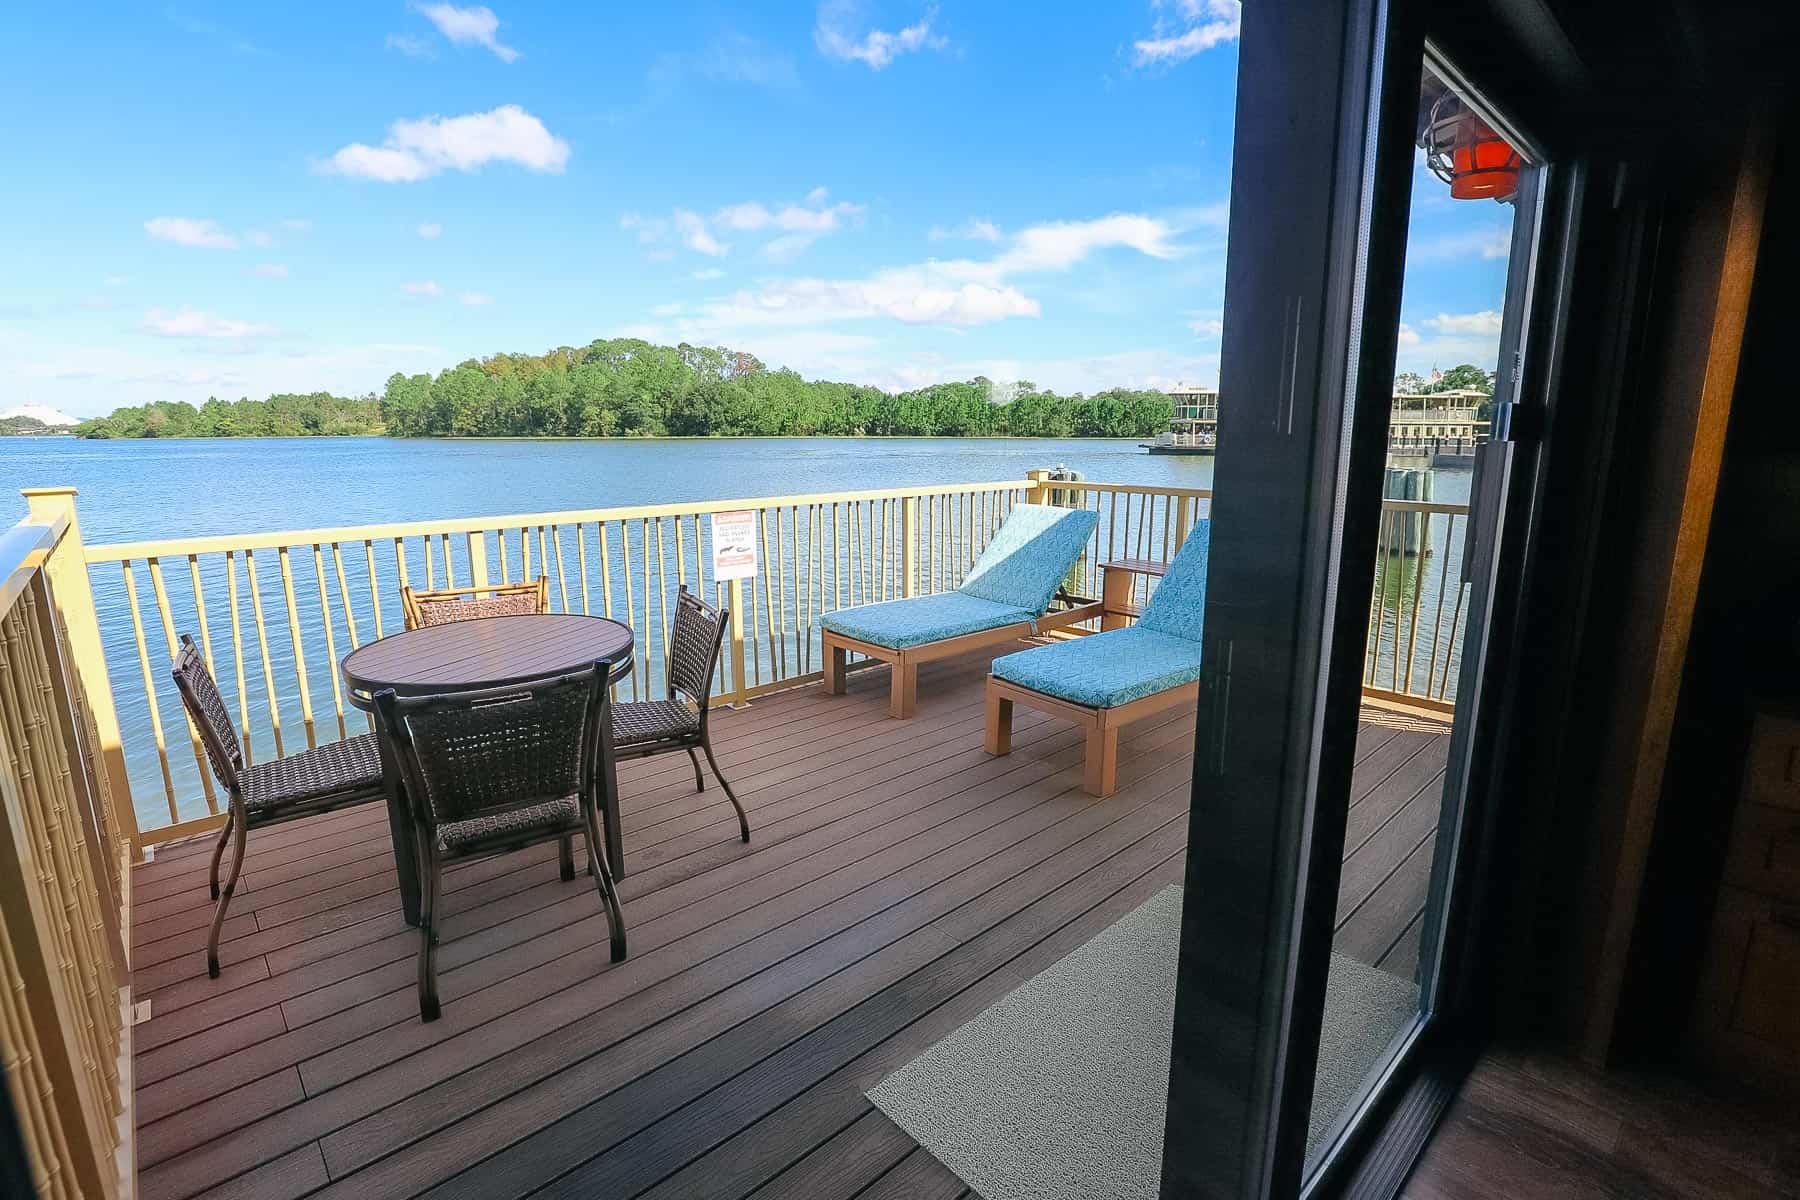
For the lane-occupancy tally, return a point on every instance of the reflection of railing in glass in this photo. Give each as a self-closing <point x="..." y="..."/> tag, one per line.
<point x="1416" y="606"/>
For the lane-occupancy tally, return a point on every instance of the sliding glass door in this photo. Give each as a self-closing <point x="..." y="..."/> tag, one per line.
<point x="1387" y="335"/>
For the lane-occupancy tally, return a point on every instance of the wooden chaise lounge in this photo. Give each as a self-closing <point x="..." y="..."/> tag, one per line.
<point x="1106" y="681"/>
<point x="1006" y="596"/>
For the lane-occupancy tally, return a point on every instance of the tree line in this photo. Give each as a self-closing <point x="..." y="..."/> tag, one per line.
<point x="318" y="414"/>
<point x="630" y="388"/>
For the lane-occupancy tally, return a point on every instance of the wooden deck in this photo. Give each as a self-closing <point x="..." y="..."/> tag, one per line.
<point x="898" y="882"/>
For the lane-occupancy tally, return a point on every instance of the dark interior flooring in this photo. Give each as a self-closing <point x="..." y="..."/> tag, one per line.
<point x="1534" y="1123"/>
<point x="898" y="882"/>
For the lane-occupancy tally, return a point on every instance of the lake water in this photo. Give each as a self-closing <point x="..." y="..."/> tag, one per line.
<point x="133" y="490"/>
<point x="141" y="489"/>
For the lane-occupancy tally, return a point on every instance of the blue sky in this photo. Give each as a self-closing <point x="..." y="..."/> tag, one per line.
<point x="237" y="199"/>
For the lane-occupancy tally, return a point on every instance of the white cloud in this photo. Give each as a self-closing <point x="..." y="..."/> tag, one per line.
<point x="201" y="232"/>
<point x="950" y="293"/>
<point x="1484" y="324"/>
<point x="708" y="273"/>
<point x="1408" y="335"/>
<point x="425" y="287"/>
<point x="475" y="299"/>
<point x="271" y="270"/>
<point x="260" y="237"/>
<point x="695" y="236"/>
<point x="974" y="230"/>
<point x="1203" y="25"/>
<point x="419" y="149"/>
<point x="798" y="225"/>
<point x="468" y="26"/>
<point x="189" y="323"/>
<point x="836" y="38"/>
<point x="430" y="229"/>
<point x="1206" y="326"/>
<point x="410" y="45"/>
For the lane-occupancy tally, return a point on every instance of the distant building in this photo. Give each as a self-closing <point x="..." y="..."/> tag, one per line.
<point x="41" y="412"/>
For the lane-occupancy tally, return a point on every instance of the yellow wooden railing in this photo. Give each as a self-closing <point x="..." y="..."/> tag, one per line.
<point x="64" y="982"/>
<point x="274" y="613"/>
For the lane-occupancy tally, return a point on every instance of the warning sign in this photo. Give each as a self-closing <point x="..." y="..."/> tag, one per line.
<point x="734" y="545"/>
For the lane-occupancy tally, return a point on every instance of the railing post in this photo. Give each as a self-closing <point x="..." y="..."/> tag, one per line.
<point x="1039" y="492"/>
<point x="909" y="546"/>
<point x="477" y="542"/>
<point x="738" y="684"/>
<point x="74" y="597"/>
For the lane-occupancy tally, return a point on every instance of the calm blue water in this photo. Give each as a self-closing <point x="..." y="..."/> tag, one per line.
<point x="140" y="489"/>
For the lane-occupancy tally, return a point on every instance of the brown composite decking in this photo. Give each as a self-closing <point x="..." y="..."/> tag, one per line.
<point x="898" y="881"/>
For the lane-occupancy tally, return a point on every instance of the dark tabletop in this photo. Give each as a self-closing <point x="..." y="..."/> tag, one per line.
<point x="489" y="652"/>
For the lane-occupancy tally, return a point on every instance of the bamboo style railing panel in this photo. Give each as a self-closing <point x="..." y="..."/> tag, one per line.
<point x="63" y="971"/>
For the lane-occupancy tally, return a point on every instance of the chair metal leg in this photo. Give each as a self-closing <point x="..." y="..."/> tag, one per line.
<point x="566" y="856"/>
<point x="609" y="893"/>
<point x="699" y="779"/>
<point x="743" y="821"/>
<point x="212" y="875"/>
<point x="429" y="1007"/>
<point x="218" y="921"/>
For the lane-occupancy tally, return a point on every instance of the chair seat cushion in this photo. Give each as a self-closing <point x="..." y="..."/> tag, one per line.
<point x="557" y="813"/>
<point x="1106" y="669"/>
<point x="352" y="765"/>
<point x="652" y="721"/>
<point x="918" y="620"/>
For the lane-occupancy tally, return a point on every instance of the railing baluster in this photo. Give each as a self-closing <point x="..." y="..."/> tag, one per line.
<point x="262" y="641"/>
<point x="237" y="655"/>
<point x="331" y="656"/>
<point x="337" y="563"/>
<point x="375" y="587"/>
<point x="293" y="612"/>
<point x="581" y="566"/>
<point x="168" y="625"/>
<point x="562" y="583"/>
<point x="143" y="651"/>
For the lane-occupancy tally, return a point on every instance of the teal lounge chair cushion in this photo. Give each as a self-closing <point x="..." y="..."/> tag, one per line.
<point x="1029" y="556"/>
<point x="1105" y="670"/>
<point x="898" y="624"/>
<point x="1161" y="651"/>
<point x="1178" y="605"/>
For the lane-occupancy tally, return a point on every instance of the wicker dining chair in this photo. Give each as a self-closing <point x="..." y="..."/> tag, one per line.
<point x="646" y="727"/>
<point x="500" y="769"/>
<point x="445" y="605"/>
<point x="332" y="776"/>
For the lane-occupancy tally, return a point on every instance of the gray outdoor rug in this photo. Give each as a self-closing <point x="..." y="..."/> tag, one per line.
<point x="1059" y="1089"/>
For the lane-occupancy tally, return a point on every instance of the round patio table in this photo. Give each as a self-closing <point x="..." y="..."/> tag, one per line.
<point x="466" y="655"/>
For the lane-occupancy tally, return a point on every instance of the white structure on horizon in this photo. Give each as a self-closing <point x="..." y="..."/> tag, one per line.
<point x="41" y="412"/>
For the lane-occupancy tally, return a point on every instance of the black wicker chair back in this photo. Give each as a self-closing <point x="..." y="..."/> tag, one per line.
<point x="499" y="769"/>
<point x="206" y="708"/>
<point x="694" y="646"/>
<point x="312" y="781"/>
<point x="476" y="756"/>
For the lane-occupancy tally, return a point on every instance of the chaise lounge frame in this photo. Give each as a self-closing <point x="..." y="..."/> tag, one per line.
<point x="1102" y="725"/>
<point x="903" y="685"/>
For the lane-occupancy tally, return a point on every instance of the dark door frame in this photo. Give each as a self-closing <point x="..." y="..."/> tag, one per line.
<point x="1326" y="121"/>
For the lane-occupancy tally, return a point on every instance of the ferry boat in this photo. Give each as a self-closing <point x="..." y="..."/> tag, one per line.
<point x="1195" y="428"/>
<point x="1441" y="428"/>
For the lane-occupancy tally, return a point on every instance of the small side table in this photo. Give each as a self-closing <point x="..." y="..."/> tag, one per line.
<point x="1118" y="583"/>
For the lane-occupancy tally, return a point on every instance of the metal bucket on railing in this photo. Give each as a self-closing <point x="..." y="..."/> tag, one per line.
<point x="1064" y="497"/>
